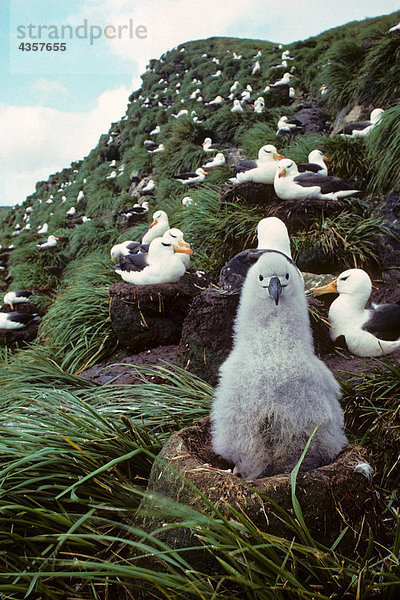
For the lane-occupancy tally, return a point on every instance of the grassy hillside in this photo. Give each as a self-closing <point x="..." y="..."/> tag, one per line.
<point x="76" y="456"/>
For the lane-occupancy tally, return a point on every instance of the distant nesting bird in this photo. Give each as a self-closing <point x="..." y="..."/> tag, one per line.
<point x="80" y="196"/>
<point x="43" y="229"/>
<point x="265" y="169"/>
<point x="3" y="265"/>
<point x="165" y="266"/>
<point x="51" y="242"/>
<point x="237" y="107"/>
<point x="218" y="100"/>
<point x="234" y="87"/>
<point x="259" y="105"/>
<point x="155" y="131"/>
<point x="256" y="68"/>
<point x="285" y="80"/>
<point x="316" y="163"/>
<point x="191" y="177"/>
<point x="112" y="175"/>
<point x="216" y="161"/>
<point x="208" y="146"/>
<point x="363" y="128"/>
<point x="272" y="234"/>
<point x="149" y="187"/>
<point x="17" y="297"/>
<point x="286" y="127"/>
<point x="180" y="114"/>
<point x="273" y="390"/>
<point x="17" y="320"/>
<point x="187" y="201"/>
<point x="289" y="184"/>
<point x="156" y="149"/>
<point x="367" y="331"/>
<point x="71" y="212"/>
<point x="264" y="154"/>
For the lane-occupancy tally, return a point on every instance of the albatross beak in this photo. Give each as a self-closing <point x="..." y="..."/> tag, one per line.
<point x="154" y="222"/>
<point x="183" y="244"/>
<point x="183" y="249"/>
<point x="282" y="172"/>
<point x="330" y="288"/>
<point x="327" y="159"/>
<point x="275" y="288"/>
<point x="278" y="156"/>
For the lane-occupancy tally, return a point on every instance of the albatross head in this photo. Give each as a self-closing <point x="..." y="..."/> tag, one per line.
<point x="353" y="282"/>
<point x="275" y="276"/>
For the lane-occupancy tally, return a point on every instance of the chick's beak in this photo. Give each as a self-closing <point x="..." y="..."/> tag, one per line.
<point x="330" y="288"/>
<point x="275" y="288"/>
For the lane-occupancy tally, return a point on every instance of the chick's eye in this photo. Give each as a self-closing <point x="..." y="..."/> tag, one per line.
<point x="260" y="277"/>
<point x="287" y="275"/>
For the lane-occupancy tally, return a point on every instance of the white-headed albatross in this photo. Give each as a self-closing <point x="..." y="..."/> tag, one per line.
<point x="371" y="331"/>
<point x="289" y="184"/>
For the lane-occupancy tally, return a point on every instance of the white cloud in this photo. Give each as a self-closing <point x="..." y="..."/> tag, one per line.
<point x="38" y="141"/>
<point x="45" y="89"/>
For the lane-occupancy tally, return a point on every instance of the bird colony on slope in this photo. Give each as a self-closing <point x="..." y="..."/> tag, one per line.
<point x="266" y="404"/>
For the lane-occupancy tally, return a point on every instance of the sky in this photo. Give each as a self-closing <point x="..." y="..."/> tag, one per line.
<point x="54" y="105"/>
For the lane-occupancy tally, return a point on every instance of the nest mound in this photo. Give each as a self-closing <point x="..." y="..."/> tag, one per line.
<point x="147" y="316"/>
<point x="296" y="214"/>
<point x="332" y="497"/>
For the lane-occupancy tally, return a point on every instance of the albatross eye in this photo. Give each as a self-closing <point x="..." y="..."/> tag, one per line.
<point x="344" y="278"/>
<point x="287" y="275"/>
<point x="260" y="277"/>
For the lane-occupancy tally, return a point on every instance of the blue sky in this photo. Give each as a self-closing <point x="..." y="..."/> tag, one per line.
<point x="54" y="106"/>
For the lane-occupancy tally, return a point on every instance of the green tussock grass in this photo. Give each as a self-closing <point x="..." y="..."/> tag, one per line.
<point x="383" y="145"/>
<point x="217" y="231"/>
<point x="347" y="241"/>
<point x="372" y="405"/>
<point x="77" y="327"/>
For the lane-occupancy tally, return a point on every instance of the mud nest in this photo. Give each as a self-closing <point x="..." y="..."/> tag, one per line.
<point x="332" y="497"/>
<point x="147" y="316"/>
<point x="296" y="214"/>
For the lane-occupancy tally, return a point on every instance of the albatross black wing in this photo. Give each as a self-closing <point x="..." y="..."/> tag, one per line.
<point x="327" y="183"/>
<point x="245" y="165"/>
<point x="309" y="167"/>
<point x="384" y="322"/>
<point x="132" y="262"/>
<point x="357" y="125"/>
<point x="233" y="274"/>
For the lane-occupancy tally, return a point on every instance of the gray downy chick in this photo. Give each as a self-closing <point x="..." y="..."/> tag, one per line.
<point x="273" y="390"/>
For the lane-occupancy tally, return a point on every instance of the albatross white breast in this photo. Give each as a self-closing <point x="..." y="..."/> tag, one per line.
<point x="289" y="184"/>
<point x="368" y="332"/>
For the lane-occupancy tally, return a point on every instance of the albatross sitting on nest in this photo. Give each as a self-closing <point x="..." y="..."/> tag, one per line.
<point x="272" y="234"/>
<point x="289" y="184"/>
<point x="141" y="259"/>
<point x="316" y="163"/>
<point x="261" y="170"/>
<point x="367" y="331"/>
<point x="17" y="320"/>
<point x="273" y="391"/>
<point x="163" y="266"/>
<point x="17" y="297"/>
